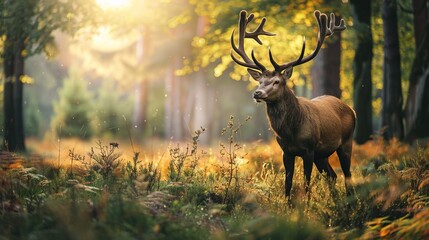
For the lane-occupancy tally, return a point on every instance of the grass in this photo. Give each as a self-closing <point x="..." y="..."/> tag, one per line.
<point x="94" y="190"/>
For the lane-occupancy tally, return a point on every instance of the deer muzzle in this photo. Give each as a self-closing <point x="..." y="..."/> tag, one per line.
<point x="259" y="95"/>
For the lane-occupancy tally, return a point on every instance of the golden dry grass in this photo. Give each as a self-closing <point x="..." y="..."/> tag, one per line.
<point x="255" y="154"/>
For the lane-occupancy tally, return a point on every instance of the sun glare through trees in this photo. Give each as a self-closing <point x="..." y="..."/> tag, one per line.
<point x="190" y="119"/>
<point x="112" y="4"/>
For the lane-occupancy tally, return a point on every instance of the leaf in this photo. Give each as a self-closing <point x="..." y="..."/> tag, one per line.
<point x="36" y="176"/>
<point x="377" y="222"/>
<point x="387" y="230"/>
<point x="424" y="183"/>
<point x="87" y="188"/>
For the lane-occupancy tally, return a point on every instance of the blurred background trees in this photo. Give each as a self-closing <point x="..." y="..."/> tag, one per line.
<point x="74" y="109"/>
<point x="362" y="65"/>
<point x="416" y="108"/>
<point x="27" y="29"/>
<point x="161" y="69"/>
<point x="391" y="117"/>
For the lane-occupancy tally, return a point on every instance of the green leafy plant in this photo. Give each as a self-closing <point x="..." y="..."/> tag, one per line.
<point x="105" y="160"/>
<point x="29" y="187"/>
<point x="142" y="177"/>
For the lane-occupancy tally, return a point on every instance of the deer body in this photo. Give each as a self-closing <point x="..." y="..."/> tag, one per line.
<point x="322" y="124"/>
<point x="312" y="129"/>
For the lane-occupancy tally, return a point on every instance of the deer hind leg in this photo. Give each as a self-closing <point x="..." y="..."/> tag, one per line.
<point x="344" y="154"/>
<point x="323" y="165"/>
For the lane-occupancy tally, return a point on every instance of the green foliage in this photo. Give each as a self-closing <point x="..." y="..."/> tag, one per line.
<point x="110" y="110"/>
<point x="288" y="19"/>
<point x="28" y="186"/>
<point x="47" y="78"/>
<point x="103" y="197"/>
<point x="413" y="226"/>
<point x="35" y="21"/>
<point x="32" y="119"/>
<point x="415" y="171"/>
<point x="105" y="160"/>
<point x="73" y="110"/>
<point x="279" y="227"/>
<point x="143" y="178"/>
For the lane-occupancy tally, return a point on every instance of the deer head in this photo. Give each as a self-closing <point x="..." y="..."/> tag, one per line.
<point x="272" y="84"/>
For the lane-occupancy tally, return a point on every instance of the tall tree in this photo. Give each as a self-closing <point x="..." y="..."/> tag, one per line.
<point x="362" y="82"/>
<point x="74" y="109"/>
<point x="27" y="26"/>
<point x="416" y="108"/>
<point x="325" y="73"/>
<point x="391" y="117"/>
<point x="177" y="123"/>
<point x="174" y="129"/>
<point x="14" y="70"/>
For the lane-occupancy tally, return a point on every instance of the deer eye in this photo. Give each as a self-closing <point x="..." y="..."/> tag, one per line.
<point x="276" y="82"/>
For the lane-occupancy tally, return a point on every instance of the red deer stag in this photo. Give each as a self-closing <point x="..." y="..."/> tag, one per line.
<point x="312" y="129"/>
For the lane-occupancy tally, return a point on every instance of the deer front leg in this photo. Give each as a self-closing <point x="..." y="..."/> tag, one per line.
<point x="289" y="163"/>
<point x="308" y="166"/>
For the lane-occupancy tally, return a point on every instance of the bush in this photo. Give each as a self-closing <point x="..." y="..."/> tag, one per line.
<point x="109" y="118"/>
<point x="72" y="117"/>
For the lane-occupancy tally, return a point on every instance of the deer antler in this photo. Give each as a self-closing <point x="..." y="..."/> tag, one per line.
<point x="324" y="31"/>
<point x="242" y="34"/>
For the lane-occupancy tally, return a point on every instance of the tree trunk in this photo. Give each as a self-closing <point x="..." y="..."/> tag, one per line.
<point x="173" y="113"/>
<point x="18" y="96"/>
<point x="140" y="100"/>
<point x="9" y="140"/>
<point x="178" y="114"/>
<point x="420" y="11"/>
<point x="391" y="117"/>
<point x="325" y="73"/>
<point x="201" y="112"/>
<point x="362" y="82"/>
<point x="14" y="139"/>
<point x="416" y="108"/>
<point x="140" y="106"/>
<point x="201" y="93"/>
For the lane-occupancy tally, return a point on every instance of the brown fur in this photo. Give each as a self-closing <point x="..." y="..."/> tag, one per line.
<point x="312" y="129"/>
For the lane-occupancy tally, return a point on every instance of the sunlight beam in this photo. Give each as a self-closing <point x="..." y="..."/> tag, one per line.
<point x="112" y="4"/>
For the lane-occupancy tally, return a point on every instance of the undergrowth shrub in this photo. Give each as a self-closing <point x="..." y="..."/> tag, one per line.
<point x="415" y="171"/>
<point x="101" y="196"/>
<point x="232" y="159"/>
<point x="268" y="185"/>
<point x="278" y="227"/>
<point x="105" y="160"/>
<point x="142" y="178"/>
<point x="184" y="161"/>
<point x="336" y="209"/>
<point x="397" y="198"/>
<point x="25" y="189"/>
<point x="411" y="226"/>
<point x="73" y="110"/>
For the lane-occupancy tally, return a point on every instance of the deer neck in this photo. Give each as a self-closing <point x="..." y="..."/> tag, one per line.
<point x="285" y="115"/>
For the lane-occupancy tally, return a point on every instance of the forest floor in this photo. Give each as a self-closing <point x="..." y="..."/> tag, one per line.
<point x="162" y="190"/>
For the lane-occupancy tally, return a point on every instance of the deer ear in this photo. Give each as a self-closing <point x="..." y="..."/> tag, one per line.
<point x="255" y="74"/>
<point x="287" y="73"/>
